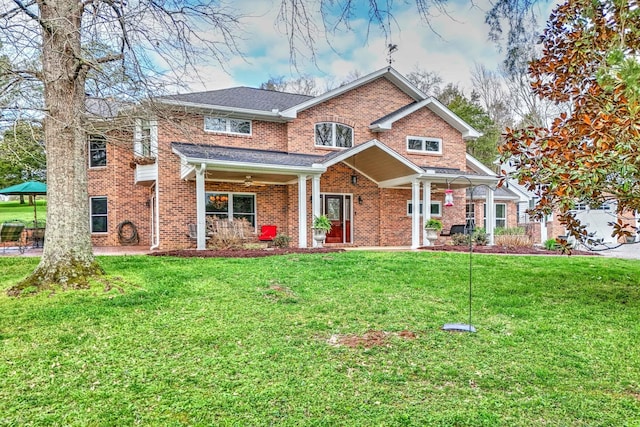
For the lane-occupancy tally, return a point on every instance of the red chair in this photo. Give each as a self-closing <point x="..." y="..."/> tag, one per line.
<point x="268" y="232"/>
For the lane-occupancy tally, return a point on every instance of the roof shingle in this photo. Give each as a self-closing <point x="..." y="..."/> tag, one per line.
<point x="242" y="97"/>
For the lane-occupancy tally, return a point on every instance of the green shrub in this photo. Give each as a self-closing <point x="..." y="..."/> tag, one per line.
<point x="281" y="241"/>
<point x="509" y="231"/>
<point x="551" y="245"/>
<point x="433" y="223"/>
<point x="479" y="238"/>
<point x="322" y="223"/>
<point x="460" y="239"/>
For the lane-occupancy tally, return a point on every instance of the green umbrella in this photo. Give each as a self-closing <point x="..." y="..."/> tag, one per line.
<point x="30" y="188"/>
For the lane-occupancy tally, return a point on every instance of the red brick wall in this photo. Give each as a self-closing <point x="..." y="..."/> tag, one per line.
<point x="357" y="108"/>
<point x="125" y="200"/>
<point x="426" y="123"/>
<point x="190" y="128"/>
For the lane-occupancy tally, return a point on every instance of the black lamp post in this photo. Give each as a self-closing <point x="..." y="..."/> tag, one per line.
<point x="462" y="327"/>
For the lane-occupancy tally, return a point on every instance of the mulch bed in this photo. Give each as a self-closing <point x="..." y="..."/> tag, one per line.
<point x="258" y="253"/>
<point x="243" y="253"/>
<point x="515" y="250"/>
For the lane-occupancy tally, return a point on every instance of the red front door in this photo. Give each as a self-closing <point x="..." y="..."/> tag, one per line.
<point x="334" y="210"/>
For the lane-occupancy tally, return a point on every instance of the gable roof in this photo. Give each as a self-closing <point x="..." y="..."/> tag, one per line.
<point x="386" y="122"/>
<point x="388" y="73"/>
<point x="281" y="106"/>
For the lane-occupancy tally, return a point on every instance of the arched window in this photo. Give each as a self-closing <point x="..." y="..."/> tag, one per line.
<point x="329" y="134"/>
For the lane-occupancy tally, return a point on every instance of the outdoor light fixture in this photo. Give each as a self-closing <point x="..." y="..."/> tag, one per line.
<point x="448" y="197"/>
<point x="359" y="200"/>
<point x="354" y="179"/>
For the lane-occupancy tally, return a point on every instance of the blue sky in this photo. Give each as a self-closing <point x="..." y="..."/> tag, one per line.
<point x="460" y="42"/>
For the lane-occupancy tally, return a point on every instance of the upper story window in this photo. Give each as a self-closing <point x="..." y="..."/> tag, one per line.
<point x="334" y="135"/>
<point x="97" y="151"/>
<point x="419" y="144"/>
<point x="227" y="125"/>
<point x="145" y="143"/>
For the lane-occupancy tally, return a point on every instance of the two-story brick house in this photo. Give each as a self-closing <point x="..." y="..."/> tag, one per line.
<point x="363" y="154"/>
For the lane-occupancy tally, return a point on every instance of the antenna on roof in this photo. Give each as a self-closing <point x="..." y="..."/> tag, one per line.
<point x="391" y="49"/>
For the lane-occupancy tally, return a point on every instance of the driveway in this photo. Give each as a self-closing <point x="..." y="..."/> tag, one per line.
<point x="631" y="251"/>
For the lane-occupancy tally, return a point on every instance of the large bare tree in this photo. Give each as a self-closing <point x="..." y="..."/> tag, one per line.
<point x="122" y="48"/>
<point x="127" y="49"/>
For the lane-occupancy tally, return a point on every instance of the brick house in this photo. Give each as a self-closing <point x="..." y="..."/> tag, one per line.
<point x="363" y="154"/>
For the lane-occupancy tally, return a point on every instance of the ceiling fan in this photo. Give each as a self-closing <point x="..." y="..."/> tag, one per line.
<point x="249" y="182"/>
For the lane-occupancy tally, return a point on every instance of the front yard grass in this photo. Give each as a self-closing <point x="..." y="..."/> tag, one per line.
<point x="249" y="342"/>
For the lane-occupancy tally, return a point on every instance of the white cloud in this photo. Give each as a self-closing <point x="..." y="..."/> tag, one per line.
<point x="462" y="41"/>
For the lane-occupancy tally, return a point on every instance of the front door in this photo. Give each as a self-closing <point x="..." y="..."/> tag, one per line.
<point x="337" y="208"/>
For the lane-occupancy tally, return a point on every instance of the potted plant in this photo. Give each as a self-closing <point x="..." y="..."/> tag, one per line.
<point x="432" y="227"/>
<point x="321" y="226"/>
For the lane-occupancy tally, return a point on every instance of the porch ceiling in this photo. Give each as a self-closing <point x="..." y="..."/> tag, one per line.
<point x="378" y="165"/>
<point x="257" y="178"/>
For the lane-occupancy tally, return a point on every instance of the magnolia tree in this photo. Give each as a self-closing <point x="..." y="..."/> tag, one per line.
<point x="592" y="153"/>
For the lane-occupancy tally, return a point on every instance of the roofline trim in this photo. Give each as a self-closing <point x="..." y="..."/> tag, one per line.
<point x="274" y="114"/>
<point x="391" y="74"/>
<point x="467" y="131"/>
<point x="248" y="166"/>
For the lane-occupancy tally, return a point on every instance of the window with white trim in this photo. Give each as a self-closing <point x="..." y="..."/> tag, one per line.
<point x="98" y="212"/>
<point x="501" y="215"/>
<point x="436" y="208"/>
<point x="226" y="205"/>
<point x="329" y="134"/>
<point x="227" y="125"/>
<point x="97" y="151"/>
<point x="145" y="140"/>
<point x="470" y="215"/>
<point x="419" y="144"/>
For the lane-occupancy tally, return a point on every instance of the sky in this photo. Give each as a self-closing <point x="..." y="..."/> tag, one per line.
<point x="452" y="46"/>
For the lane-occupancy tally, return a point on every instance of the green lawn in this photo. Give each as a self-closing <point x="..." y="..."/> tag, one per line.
<point x="234" y="342"/>
<point x="14" y="210"/>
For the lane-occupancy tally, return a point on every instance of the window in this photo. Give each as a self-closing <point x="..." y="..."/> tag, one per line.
<point x="146" y="138"/>
<point x="424" y="145"/>
<point x="436" y="208"/>
<point x="501" y="215"/>
<point x="98" y="206"/>
<point x="145" y="141"/>
<point x="232" y="205"/>
<point x="334" y="135"/>
<point x="227" y="125"/>
<point x="470" y="215"/>
<point x="97" y="151"/>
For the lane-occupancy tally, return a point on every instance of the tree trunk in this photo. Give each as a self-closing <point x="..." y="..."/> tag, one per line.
<point x="67" y="258"/>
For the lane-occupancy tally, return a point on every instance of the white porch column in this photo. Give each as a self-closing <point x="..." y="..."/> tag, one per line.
<point x="491" y="216"/>
<point x="201" y="224"/>
<point x="415" y="215"/>
<point x="426" y="210"/>
<point x="315" y="200"/>
<point x="302" y="211"/>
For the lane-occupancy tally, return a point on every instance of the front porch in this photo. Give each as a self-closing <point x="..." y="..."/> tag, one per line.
<point x="367" y="192"/>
